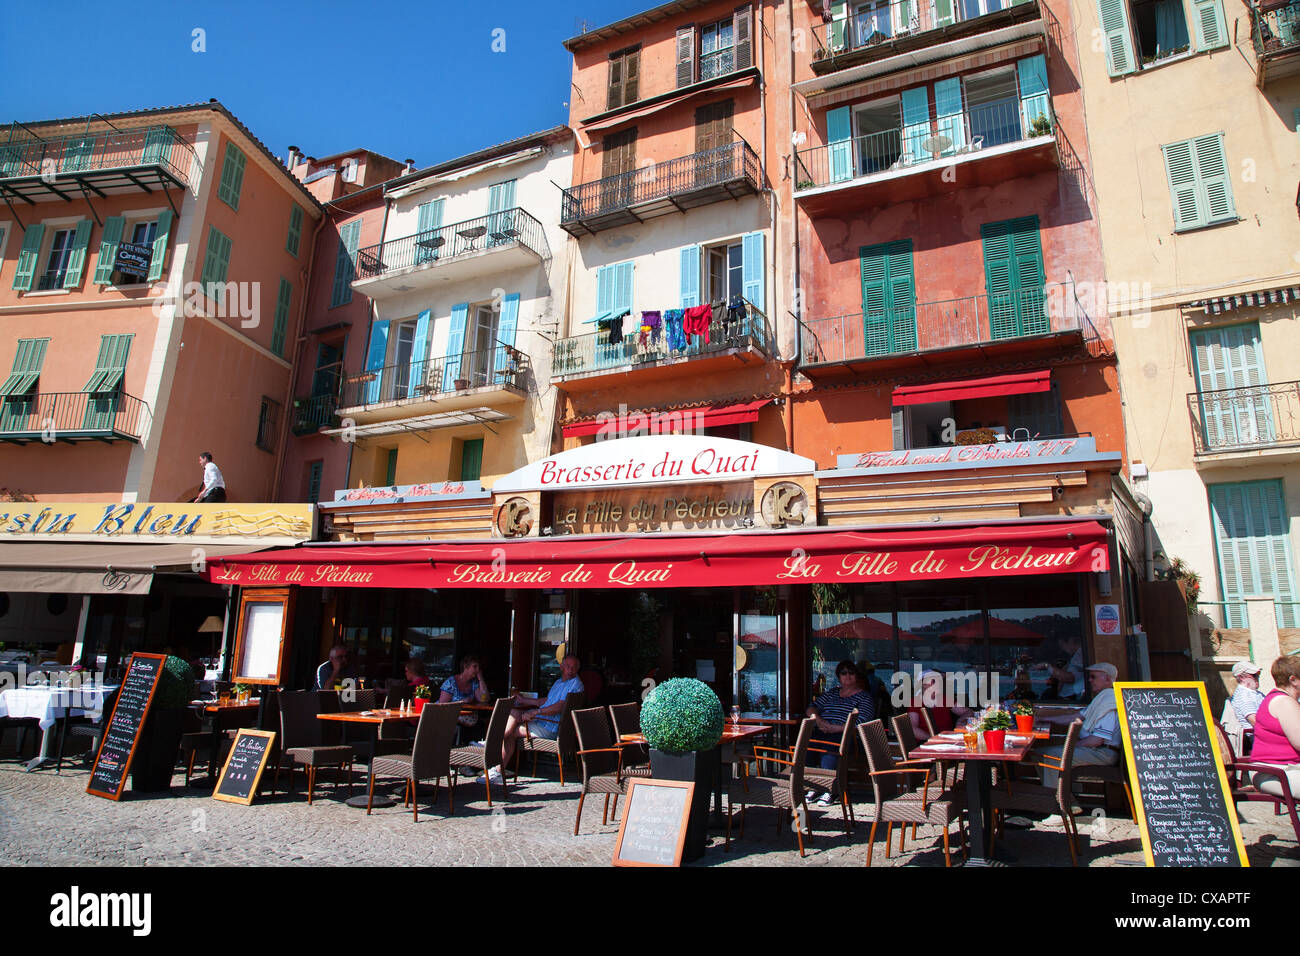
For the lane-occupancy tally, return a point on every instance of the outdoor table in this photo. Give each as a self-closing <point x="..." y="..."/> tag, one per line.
<point x="471" y="235"/>
<point x="233" y="711"/>
<point x="949" y="747"/>
<point x="48" y="705"/>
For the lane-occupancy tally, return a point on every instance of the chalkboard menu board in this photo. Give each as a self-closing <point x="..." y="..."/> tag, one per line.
<point x="1185" y="810"/>
<point x="108" y="775"/>
<point x="653" y="831"/>
<point x="244" y="766"/>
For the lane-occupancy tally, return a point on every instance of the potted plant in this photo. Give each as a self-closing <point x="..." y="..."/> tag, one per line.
<point x="1041" y="126"/>
<point x="422" y="697"/>
<point x="1024" y="714"/>
<point x="682" y="721"/>
<point x="160" y="737"/>
<point x="462" y="384"/>
<point x="995" y="725"/>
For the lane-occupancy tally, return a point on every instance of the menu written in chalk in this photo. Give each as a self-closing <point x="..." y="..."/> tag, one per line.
<point x="1185" y="810"/>
<point x="108" y="775"/>
<point x="653" y="831"/>
<point x="244" y="766"/>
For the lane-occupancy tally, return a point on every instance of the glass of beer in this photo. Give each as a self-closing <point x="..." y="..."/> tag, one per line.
<point x="971" y="735"/>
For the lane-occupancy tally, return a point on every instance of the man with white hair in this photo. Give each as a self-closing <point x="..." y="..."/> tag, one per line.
<point x="1099" y="741"/>
<point x="1247" y="697"/>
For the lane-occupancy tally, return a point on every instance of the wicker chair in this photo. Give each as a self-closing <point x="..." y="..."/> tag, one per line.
<point x="1243" y="786"/>
<point x="836" y="781"/>
<point x="564" y="745"/>
<point x="782" y="793"/>
<point x="301" y="740"/>
<point x="902" y="794"/>
<point x="1117" y="773"/>
<point x="602" y="762"/>
<point x="626" y="719"/>
<point x="430" y="758"/>
<point x="907" y="743"/>
<point x="481" y="759"/>
<point x="1035" y="798"/>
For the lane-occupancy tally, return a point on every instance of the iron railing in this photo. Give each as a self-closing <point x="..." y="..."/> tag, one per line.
<point x="1276" y="30"/>
<point x="311" y="412"/>
<point x="1239" y="419"/>
<point x="493" y="231"/>
<point x="873" y="25"/>
<point x="956" y="135"/>
<point x="86" y="152"/>
<point x="931" y="326"/>
<point x="717" y="63"/>
<point x="592" y="352"/>
<point x="61" y="416"/>
<point x="709" y="167"/>
<point x="501" y="367"/>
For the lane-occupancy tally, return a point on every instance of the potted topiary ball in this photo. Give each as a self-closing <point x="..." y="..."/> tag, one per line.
<point x="160" y="737"/>
<point x="682" y="721"/>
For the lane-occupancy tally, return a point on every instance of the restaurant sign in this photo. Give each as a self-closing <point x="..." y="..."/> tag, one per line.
<point x="156" y="522"/>
<point x="654" y="460"/>
<point x="428" y="491"/>
<point x="1052" y="451"/>
<point x="681" y="508"/>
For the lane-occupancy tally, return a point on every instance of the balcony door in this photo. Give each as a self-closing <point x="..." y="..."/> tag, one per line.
<point x="480" y="346"/>
<point x="1013" y="274"/>
<point x="1231" y="387"/>
<point x="400" y="374"/>
<point x="888" y="299"/>
<point x="617" y="166"/>
<point x="993" y="101"/>
<point x="713" y="133"/>
<point x="879" y="136"/>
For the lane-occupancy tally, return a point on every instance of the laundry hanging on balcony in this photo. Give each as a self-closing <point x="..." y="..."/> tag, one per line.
<point x="697" y="321"/>
<point x="651" y="324"/>
<point x="614" y="326"/>
<point x="676" y="335"/>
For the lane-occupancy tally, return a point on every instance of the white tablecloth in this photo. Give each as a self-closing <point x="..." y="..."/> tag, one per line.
<point x="46" y="704"/>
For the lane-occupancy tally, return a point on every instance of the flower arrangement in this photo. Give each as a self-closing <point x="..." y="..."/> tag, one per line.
<point x="682" y="715"/>
<point x="997" y="720"/>
<point x="424" y="692"/>
<point x="1023" y="708"/>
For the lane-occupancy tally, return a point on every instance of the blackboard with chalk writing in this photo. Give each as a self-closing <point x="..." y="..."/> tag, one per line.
<point x="1185" y="810"/>
<point x="244" y="766"/>
<point x="653" y="831"/>
<point x="122" y="727"/>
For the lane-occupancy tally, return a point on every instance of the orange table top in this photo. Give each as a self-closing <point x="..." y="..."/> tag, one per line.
<point x="212" y="708"/>
<point x="730" y="732"/>
<point x="943" y="747"/>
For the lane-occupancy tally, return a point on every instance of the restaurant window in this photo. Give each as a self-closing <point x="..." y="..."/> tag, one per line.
<point x="850" y="622"/>
<point x="140" y="234"/>
<point x="624" y="77"/>
<point x="1036" y="638"/>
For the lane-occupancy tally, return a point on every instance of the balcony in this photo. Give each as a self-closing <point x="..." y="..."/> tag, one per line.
<point x="71" y="417"/>
<point x="491" y="377"/>
<point x="103" y="163"/>
<point x="906" y="33"/>
<point x="1256" y="419"/>
<point x="584" y="361"/>
<point x="660" y="189"/>
<point x="1276" y="35"/>
<point x="974" y="328"/>
<point x="313" y="412"/>
<point x="981" y="146"/>
<point x="464" y="250"/>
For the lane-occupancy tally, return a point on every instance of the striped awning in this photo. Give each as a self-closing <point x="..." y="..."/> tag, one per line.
<point x="1229" y="302"/>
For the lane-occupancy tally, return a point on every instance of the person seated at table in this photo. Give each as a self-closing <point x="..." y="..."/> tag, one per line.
<point x="415" y="675"/>
<point x="832" y="711"/>
<point x="466" y="685"/>
<point x="878" y="690"/>
<point x="1098" y="743"/>
<point x="538" y="719"/>
<point x="1277" y="728"/>
<point x="1246" y="699"/>
<point x="932" y="695"/>
<point x="335" y="670"/>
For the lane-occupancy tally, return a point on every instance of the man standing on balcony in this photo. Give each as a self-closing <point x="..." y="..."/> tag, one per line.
<point x="214" y="486"/>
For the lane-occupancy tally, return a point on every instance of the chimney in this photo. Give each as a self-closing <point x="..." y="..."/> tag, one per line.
<point x="410" y="166"/>
<point x="293" y="156"/>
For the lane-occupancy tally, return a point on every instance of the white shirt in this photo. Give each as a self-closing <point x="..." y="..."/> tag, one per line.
<point x="212" y="477"/>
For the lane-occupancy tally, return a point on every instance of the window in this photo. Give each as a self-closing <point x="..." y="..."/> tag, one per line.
<point x="390" y="467"/>
<point x="1141" y="33"/>
<point x="994" y="107"/>
<point x="18" y="391"/>
<point x="624" y="75"/>
<point x="717" y="49"/>
<point x="294" y="240"/>
<point x="617" y="162"/>
<point x="399" y="378"/>
<point x="232" y="176"/>
<point x="888" y="298"/>
<point x="329" y="370"/>
<point x="723" y="47"/>
<point x="149" y="235"/>
<point x="1013" y="277"/>
<point x="1235" y="409"/>
<point x="216" y="265"/>
<point x="1252" y="535"/>
<point x="713" y="134"/>
<point x="268" y="417"/>
<point x="726" y="271"/>
<point x="1038" y="414"/>
<point x="879" y="141"/>
<point x="471" y="459"/>
<point x="350" y="167"/>
<point x="718" y="272"/>
<point x="1199" y="183"/>
<point x="1160" y="28"/>
<point x="105" y="384"/>
<point x="56" y="264"/>
<point x="315" y="470"/>
<point x="281" y="317"/>
<point x="345" y="263"/>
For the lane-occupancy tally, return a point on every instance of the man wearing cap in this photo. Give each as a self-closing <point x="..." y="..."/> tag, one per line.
<point x="1247" y="697"/>
<point x="1098" y="743"/>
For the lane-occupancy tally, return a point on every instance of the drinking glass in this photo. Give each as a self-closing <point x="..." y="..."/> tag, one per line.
<point x="735" y="714"/>
<point x="971" y="736"/>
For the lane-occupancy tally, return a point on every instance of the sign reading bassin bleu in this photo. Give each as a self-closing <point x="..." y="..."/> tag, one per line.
<point x="152" y="521"/>
<point x="1051" y="451"/>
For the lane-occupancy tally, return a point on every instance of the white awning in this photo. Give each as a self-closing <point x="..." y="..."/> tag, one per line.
<point x="112" y="568"/>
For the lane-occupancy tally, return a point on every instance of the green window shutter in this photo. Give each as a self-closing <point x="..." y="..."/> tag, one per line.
<point x="77" y="257"/>
<point x="1211" y="29"/>
<point x="313" y="481"/>
<point x="216" y="263"/>
<point x="232" y="176"/>
<point x="997" y="280"/>
<point x="1231" y="358"/>
<point x="27" y="367"/>
<point x="471" y="459"/>
<point x="839" y="138"/>
<point x="839" y="22"/>
<point x="108" y="249"/>
<point x="888" y="298"/>
<point x="1215" y="184"/>
<point x="1118" y="37"/>
<point x="292" y="244"/>
<point x="160" y="240"/>
<point x="77" y="153"/>
<point x="1181" y="170"/>
<point x="902" y="297"/>
<point x="875" y="301"/>
<point x="26" y="268"/>
<point x="281" y="317"/>
<point x="110" y="365"/>
<point x="943" y="15"/>
<point x="1013" y="274"/>
<point x="1253" y="541"/>
<point x="157" y="141"/>
<point x="345" y="263"/>
<point x="390" y="471"/>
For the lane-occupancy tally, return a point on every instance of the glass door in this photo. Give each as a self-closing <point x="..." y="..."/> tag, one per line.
<point x="551" y="644"/>
<point x="759" y="650"/>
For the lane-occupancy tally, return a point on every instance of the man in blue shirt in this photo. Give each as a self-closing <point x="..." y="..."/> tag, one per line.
<point x="538" y="720"/>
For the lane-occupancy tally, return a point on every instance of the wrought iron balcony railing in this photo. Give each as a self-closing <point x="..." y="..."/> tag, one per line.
<point x="311" y="412"/>
<point x="500" y="367"/>
<point x="496" y="230"/>
<point x="1244" y="419"/>
<point x="1276" y="30"/>
<point x="932" y="326"/>
<point x="159" y="146"/>
<point x="593" y="352"/>
<point x="71" y="416"/>
<point x="705" y="170"/>
<point x="876" y="24"/>
<point x="959" y="135"/>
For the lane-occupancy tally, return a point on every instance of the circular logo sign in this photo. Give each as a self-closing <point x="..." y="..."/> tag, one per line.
<point x="1107" y="619"/>
<point x="514" y="518"/>
<point x="784" y="504"/>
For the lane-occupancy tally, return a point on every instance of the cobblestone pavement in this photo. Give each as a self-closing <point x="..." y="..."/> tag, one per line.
<point x="50" y="820"/>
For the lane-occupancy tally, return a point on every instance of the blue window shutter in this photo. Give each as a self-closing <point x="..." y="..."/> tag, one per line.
<point x="294" y="240"/>
<point x="690" y="276"/>
<point x="947" y="108"/>
<point x="419" y="350"/>
<point x="839" y="137"/>
<point x="506" y="327"/>
<point x="375" y="358"/>
<point x="501" y="196"/>
<point x="77" y="258"/>
<point x="1113" y="15"/>
<point x="108" y="249"/>
<point x="1034" y="96"/>
<point x="1253" y="541"/>
<point x="1231" y="358"/>
<point x="1180" y="168"/>
<point x="160" y="240"/>
<point x="753" y="282"/>
<point x="604" y="289"/>
<point x="1213" y="180"/>
<point x="623" y="286"/>
<point x="916" y="123"/>
<point x="455" y="345"/>
<point x="26" y="268"/>
<point x="281" y="324"/>
<point x="1211" y="29"/>
<point x="430" y="221"/>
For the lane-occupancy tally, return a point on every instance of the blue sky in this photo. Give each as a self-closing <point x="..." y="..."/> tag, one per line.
<point x="414" y="79"/>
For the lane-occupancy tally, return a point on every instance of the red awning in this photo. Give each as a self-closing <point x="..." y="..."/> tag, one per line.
<point x="1020" y="383"/>
<point x="684" y="560"/>
<point x="660" y="422"/>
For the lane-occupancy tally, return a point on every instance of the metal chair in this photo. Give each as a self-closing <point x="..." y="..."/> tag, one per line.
<point x="1035" y="798"/>
<point x="601" y="761"/>
<point x="430" y="757"/>
<point x="484" y="758"/>
<point x="564" y="745"/>
<point x="780" y="792"/>
<point x="301" y="742"/>
<point x="1253" y="789"/>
